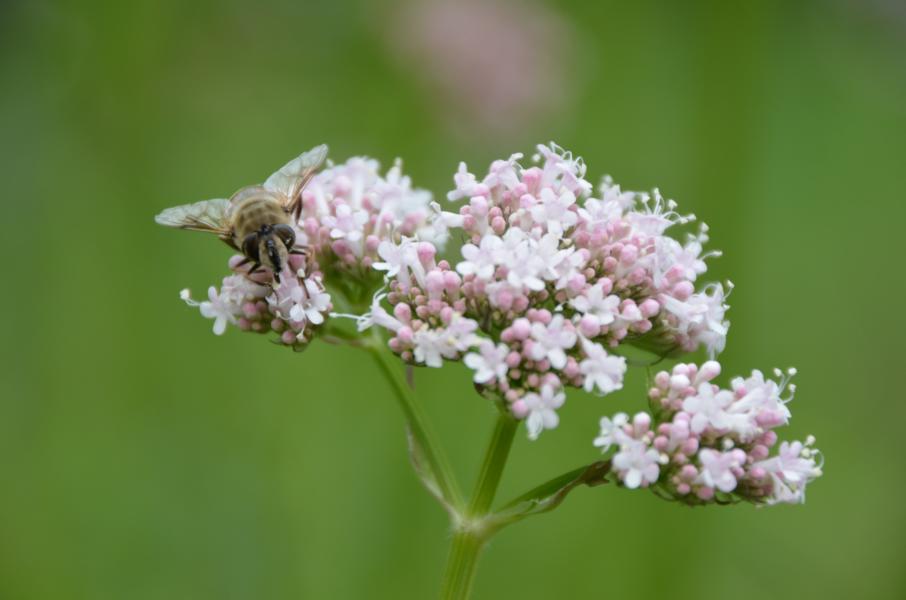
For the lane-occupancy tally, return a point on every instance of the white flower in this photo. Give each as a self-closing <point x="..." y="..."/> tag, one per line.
<point x="347" y="223"/>
<point x="611" y="194"/>
<point x="551" y="340"/>
<point x="688" y="260"/>
<point x="226" y="306"/>
<point x="431" y="346"/>
<point x="481" y="260"/>
<point x="375" y="316"/>
<point x="554" y="263"/>
<point x="220" y="309"/>
<point x="399" y="259"/>
<point x="612" y="431"/>
<point x="717" y="468"/>
<point x="759" y="401"/>
<point x="711" y="330"/>
<point x="637" y="463"/>
<point x="654" y="219"/>
<point x="593" y="302"/>
<point x="524" y="266"/>
<point x="311" y="302"/>
<point x="437" y="228"/>
<point x="394" y="258"/>
<point x="709" y="409"/>
<point x="560" y="163"/>
<point x="489" y="363"/>
<point x="701" y="317"/>
<point x="465" y="184"/>
<point x="541" y="410"/>
<point x="601" y="370"/>
<point x="791" y="470"/>
<point x="553" y="212"/>
<point x="504" y="172"/>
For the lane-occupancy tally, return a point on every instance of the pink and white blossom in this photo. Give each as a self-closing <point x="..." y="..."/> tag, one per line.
<point x="541" y="410"/>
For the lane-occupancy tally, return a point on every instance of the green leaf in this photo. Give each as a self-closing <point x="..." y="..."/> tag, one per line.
<point x="548" y="496"/>
<point x="423" y="469"/>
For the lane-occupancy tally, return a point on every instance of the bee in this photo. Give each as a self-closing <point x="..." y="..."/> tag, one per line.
<point x="257" y="220"/>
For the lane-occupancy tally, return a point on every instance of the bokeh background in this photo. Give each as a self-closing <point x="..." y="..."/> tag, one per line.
<point x="143" y="458"/>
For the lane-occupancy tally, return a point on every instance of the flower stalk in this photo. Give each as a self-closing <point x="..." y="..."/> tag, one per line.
<point x="420" y="430"/>
<point x="472" y="531"/>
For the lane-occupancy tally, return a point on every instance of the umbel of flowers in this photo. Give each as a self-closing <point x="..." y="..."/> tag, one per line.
<point x="553" y="279"/>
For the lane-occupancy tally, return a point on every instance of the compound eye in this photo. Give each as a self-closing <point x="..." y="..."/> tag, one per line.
<point x="286" y="234"/>
<point x="250" y="246"/>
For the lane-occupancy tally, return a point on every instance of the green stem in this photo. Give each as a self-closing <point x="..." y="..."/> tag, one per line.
<point x="470" y="533"/>
<point x="464" y="553"/>
<point x="418" y="425"/>
<point x="492" y="467"/>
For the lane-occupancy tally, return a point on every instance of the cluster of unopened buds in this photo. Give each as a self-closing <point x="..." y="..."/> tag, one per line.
<point x="554" y="279"/>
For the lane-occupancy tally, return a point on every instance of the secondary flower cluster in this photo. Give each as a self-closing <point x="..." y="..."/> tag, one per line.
<point x="705" y="444"/>
<point x="294" y="308"/>
<point x="549" y="280"/>
<point x="350" y="208"/>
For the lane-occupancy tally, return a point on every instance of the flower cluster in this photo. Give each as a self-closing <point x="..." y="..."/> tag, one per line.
<point x="550" y="279"/>
<point x="705" y="444"/>
<point x="294" y="308"/>
<point x="349" y="209"/>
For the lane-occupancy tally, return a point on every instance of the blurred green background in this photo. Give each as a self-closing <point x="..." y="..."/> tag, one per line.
<point x="142" y="457"/>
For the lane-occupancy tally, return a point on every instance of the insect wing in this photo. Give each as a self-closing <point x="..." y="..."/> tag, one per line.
<point x="207" y="215"/>
<point x="290" y="180"/>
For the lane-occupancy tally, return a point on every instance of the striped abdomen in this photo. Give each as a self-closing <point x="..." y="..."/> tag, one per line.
<point x="253" y="207"/>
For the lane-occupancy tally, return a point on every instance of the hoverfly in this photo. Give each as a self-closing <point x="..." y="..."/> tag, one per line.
<point x="257" y="220"/>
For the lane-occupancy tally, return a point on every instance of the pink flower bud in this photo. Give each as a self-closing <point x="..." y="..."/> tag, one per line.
<point x="571" y="369"/>
<point x="504" y="299"/>
<point x="650" y="308"/>
<point x="426" y="252"/>
<point x="690" y="446"/>
<point x="576" y="283"/>
<point x="519" y="409"/>
<point x="759" y="452"/>
<point x="705" y="493"/>
<point x="404" y="335"/>
<point x="682" y="290"/>
<point x="629" y="254"/>
<point x="641" y="422"/>
<point x="521" y="328"/>
<point x="479" y="206"/>
<point x="402" y="312"/>
<point x="520" y="303"/>
<point x="513" y="359"/>
<point x="689" y="472"/>
<point x="588" y="326"/>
